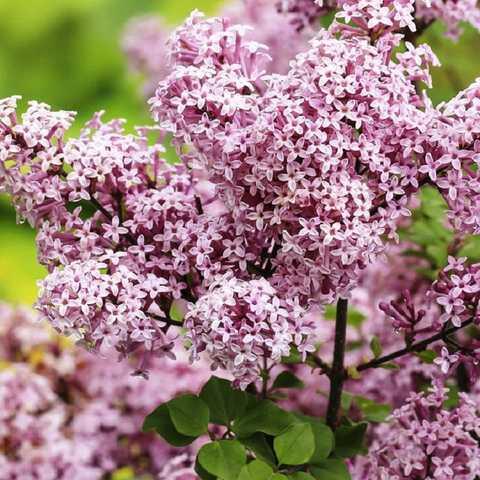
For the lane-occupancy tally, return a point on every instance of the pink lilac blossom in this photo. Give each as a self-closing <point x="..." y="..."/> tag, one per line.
<point x="245" y="327"/>
<point x="425" y="440"/>
<point x="452" y="13"/>
<point x="457" y="291"/>
<point x="300" y="159"/>
<point x="145" y="39"/>
<point x="68" y="414"/>
<point x="455" y="156"/>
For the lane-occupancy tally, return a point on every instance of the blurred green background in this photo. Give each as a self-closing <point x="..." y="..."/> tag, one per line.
<point x="67" y="53"/>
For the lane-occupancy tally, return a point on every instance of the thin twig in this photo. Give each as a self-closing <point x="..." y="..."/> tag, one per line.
<point x="414" y="347"/>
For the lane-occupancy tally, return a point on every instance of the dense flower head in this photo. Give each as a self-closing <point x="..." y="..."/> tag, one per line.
<point x="425" y="440"/>
<point x="68" y="414"/>
<point x="454" y="157"/>
<point x="244" y="326"/>
<point x="145" y="38"/>
<point x="390" y="14"/>
<point x="319" y="163"/>
<point x="457" y="292"/>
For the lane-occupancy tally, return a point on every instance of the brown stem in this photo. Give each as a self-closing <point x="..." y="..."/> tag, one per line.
<point x="414" y="347"/>
<point x="337" y="376"/>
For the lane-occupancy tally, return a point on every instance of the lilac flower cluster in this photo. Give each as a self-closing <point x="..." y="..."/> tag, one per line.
<point x="451" y="12"/>
<point x="454" y="158"/>
<point x="424" y="440"/>
<point x="457" y="291"/>
<point x="67" y="414"/>
<point x="306" y="12"/>
<point x="145" y="39"/>
<point x="319" y="163"/>
<point x="245" y="327"/>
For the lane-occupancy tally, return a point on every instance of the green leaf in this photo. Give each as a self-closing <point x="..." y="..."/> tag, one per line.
<point x="389" y="366"/>
<point x="324" y="441"/>
<point x="258" y="444"/>
<point x="256" y="470"/>
<point x="349" y="440"/>
<point x="189" y="414"/>
<point x="263" y="416"/>
<point x="347" y="400"/>
<point x="278" y="476"/>
<point x="294" y="357"/>
<point x="376" y="347"/>
<point x="377" y="412"/>
<point x="296" y="446"/>
<point x="224" y="458"/>
<point x="331" y="469"/>
<point x="287" y="380"/>
<point x="159" y="421"/>
<point x="202" y="473"/>
<point x="301" y="476"/>
<point x="225" y="403"/>
<point x="427" y="356"/>
<point x="354" y="317"/>
<point x="373" y="411"/>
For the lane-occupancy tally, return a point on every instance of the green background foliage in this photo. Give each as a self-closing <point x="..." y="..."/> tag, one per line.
<point x="67" y="53"/>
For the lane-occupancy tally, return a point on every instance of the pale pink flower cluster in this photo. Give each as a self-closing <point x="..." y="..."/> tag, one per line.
<point x="452" y="13"/>
<point x="454" y="158"/>
<point x="319" y="163"/>
<point x="244" y="326"/>
<point x="457" y="291"/>
<point x="425" y="440"/>
<point x="145" y="38"/>
<point x="69" y="415"/>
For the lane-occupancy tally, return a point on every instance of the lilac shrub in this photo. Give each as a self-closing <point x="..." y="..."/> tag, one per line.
<point x="334" y="180"/>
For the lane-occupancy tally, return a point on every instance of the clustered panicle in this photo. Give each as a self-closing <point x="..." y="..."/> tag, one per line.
<point x="451" y="12"/>
<point x="145" y="38"/>
<point x="245" y="327"/>
<point x="291" y="182"/>
<point x="454" y="157"/>
<point x="67" y="414"/>
<point x="425" y="440"/>
<point x="457" y="291"/>
<point x="145" y="41"/>
<point x="319" y="163"/>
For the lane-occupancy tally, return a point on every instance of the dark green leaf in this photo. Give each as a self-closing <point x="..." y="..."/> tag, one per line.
<point x="189" y="414"/>
<point x="256" y="470"/>
<point x="324" y="441"/>
<point x="376" y="347"/>
<point x="331" y="469"/>
<point x="263" y="416"/>
<point x="202" y="473"/>
<point x="258" y="444"/>
<point x="287" y="380"/>
<point x="224" y="458"/>
<point x="159" y="421"/>
<point x="300" y="476"/>
<point x="225" y="403"/>
<point x="296" y="445"/>
<point x="349" y="440"/>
